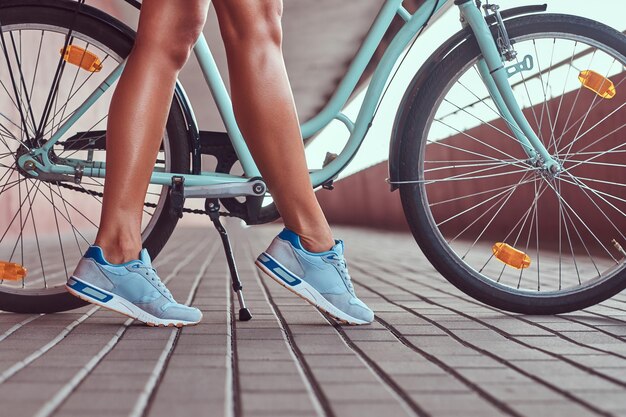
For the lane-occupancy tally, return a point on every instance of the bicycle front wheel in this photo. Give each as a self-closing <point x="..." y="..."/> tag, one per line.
<point x="499" y="228"/>
<point x="46" y="223"/>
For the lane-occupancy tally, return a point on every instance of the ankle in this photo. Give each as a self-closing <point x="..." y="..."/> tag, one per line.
<point x="117" y="251"/>
<point x="316" y="241"/>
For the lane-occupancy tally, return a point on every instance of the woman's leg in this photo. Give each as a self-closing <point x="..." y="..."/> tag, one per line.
<point x="137" y="116"/>
<point x="265" y="112"/>
<point x="139" y="108"/>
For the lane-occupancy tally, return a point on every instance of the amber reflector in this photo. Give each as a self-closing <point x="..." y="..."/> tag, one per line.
<point x="600" y="85"/>
<point x="11" y="271"/>
<point x="84" y="59"/>
<point x="511" y="256"/>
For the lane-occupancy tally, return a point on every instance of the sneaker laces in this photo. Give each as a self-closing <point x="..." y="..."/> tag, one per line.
<point x="151" y="272"/>
<point x="344" y="274"/>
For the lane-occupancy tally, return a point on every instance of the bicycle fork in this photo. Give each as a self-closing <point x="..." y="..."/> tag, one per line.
<point x="494" y="75"/>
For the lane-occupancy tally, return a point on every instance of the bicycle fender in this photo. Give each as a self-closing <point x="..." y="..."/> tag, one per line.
<point x="422" y="76"/>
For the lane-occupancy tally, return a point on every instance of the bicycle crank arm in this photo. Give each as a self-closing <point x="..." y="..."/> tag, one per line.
<point x="252" y="188"/>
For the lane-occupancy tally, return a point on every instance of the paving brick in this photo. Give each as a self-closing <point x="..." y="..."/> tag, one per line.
<point x="294" y="402"/>
<point x="195" y="378"/>
<point x="370" y="409"/>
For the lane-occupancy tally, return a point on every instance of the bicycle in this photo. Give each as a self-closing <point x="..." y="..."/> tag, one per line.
<point x="505" y="149"/>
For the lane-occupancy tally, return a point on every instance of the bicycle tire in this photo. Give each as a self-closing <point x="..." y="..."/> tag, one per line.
<point x="110" y="32"/>
<point x="424" y="102"/>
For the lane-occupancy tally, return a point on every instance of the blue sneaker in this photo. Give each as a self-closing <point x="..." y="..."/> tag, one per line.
<point x="132" y="288"/>
<point x="322" y="279"/>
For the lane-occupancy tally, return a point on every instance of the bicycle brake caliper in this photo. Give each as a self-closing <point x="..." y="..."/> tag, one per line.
<point x="503" y="41"/>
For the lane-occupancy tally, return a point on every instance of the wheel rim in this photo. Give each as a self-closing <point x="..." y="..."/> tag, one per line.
<point x="481" y="206"/>
<point x="50" y="241"/>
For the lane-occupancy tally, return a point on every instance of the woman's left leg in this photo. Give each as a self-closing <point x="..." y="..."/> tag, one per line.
<point x="304" y="257"/>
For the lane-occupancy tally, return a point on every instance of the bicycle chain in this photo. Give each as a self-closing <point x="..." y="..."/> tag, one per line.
<point x="151" y="205"/>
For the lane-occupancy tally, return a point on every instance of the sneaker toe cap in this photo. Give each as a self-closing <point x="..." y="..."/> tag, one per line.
<point x="351" y="306"/>
<point x="362" y="312"/>
<point x="183" y="313"/>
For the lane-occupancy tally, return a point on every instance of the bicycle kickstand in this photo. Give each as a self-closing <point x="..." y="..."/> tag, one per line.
<point x="213" y="210"/>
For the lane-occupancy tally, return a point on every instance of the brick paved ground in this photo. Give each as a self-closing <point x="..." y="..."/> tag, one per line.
<point x="432" y="350"/>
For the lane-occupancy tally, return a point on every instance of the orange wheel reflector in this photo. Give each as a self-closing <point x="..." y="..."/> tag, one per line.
<point x="84" y="59"/>
<point x="511" y="256"/>
<point x="12" y="271"/>
<point x="597" y="83"/>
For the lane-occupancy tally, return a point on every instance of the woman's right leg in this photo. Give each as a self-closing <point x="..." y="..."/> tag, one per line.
<point x="138" y="113"/>
<point x="137" y="117"/>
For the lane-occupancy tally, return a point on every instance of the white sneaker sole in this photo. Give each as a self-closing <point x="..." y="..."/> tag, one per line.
<point x="309" y="294"/>
<point x="123" y="306"/>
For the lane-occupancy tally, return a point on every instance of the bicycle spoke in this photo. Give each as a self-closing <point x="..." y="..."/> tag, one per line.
<point x="69" y="220"/>
<point x="472" y="207"/>
<point x="538" y="261"/>
<point x="594" y="126"/>
<point x="595" y="157"/>
<point x="584" y="188"/>
<point x="454" y="199"/>
<point x="469" y="165"/>
<point x="600" y="139"/>
<point x="32" y="216"/>
<point x="63" y="117"/>
<point x="475" y="139"/>
<point x="592" y="108"/>
<point x="586" y="226"/>
<point x="544" y="106"/>
<point x="508" y="197"/>
<point x="530" y="101"/>
<point x="573" y="106"/>
<point x="78" y="210"/>
<point x="620" y="199"/>
<point x="530" y="229"/>
<point x="483" y="122"/>
<point x="522" y="223"/>
<point x="22" y="84"/>
<point x="564" y="213"/>
<point x="586" y="115"/>
<point x="56" y="221"/>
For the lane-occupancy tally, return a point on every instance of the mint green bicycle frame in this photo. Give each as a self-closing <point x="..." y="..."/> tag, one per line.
<point x="491" y="68"/>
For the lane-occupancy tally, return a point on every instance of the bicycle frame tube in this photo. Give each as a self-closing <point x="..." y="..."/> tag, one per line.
<point x="331" y="111"/>
<point x="498" y="87"/>
<point x="379" y="79"/>
<point x="224" y="105"/>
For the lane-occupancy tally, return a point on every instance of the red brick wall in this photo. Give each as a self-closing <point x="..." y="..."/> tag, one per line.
<point x="364" y="198"/>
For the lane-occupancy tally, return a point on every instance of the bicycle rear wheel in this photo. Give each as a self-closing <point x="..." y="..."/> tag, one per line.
<point x="469" y="187"/>
<point x="47" y="224"/>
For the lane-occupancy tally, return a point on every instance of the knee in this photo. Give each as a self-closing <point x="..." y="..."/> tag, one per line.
<point x="173" y="42"/>
<point x="250" y="22"/>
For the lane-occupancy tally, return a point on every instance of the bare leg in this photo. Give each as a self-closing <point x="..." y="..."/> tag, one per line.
<point x="138" y="115"/>
<point x="265" y="112"/>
